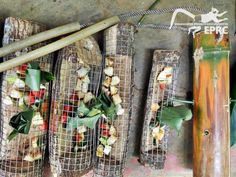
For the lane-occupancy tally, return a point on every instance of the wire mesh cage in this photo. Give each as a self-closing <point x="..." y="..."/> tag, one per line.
<point x="22" y="154"/>
<point x="160" y="92"/>
<point x="112" y="137"/>
<point x="78" y="74"/>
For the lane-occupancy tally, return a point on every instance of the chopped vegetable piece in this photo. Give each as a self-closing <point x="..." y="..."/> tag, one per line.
<point x="85" y="79"/>
<point x="78" y="85"/>
<point x="82" y="72"/>
<point x="111" y="140"/>
<point x="119" y="110"/>
<point x="107" y="82"/>
<point x="116" y="99"/>
<point x="115" y="80"/>
<point x="88" y="97"/>
<point x="99" y="152"/>
<point x="7" y="101"/>
<point x="108" y="71"/>
<point x="37" y="119"/>
<point x="113" y="90"/>
<point x="112" y="131"/>
<point x="107" y="150"/>
<point x="85" y="87"/>
<point x="155" y="107"/>
<point x="16" y="94"/>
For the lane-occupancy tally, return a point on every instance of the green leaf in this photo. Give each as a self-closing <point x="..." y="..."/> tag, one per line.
<point x="21" y="123"/>
<point x="82" y="110"/>
<point x="110" y="112"/>
<point x="46" y="77"/>
<point x="32" y="79"/>
<point x="89" y="122"/>
<point x="93" y="112"/>
<point x="233" y="126"/>
<point x="33" y="65"/>
<point x="174" y="116"/>
<point x="12" y="135"/>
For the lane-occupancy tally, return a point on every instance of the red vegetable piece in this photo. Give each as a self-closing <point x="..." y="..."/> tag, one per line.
<point x="74" y="98"/>
<point x="104" y="126"/>
<point x="68" y="108"/>
<point x="105" y="133"/>
<point x="64" y="118"/>
<point x="162" y="86"/>
<point x="78" y="137"/>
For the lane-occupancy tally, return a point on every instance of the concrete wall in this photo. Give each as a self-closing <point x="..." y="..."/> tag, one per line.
<point x="58" y="12"/>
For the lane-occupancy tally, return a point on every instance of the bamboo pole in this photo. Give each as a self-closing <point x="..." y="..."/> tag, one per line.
<point x="211" y="126"/>
<point x="59" y="44"/>
<point x="40" y="37"/>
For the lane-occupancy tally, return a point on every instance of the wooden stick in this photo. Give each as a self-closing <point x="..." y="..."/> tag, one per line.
<point x="59" y="44"/>
<point x="211" y="125"/>
<point x="37" y="38"/>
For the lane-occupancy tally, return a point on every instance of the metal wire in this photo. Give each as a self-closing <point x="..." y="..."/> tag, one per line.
<point x="13" y="154"/>
<point x="153" y="153"/>
<point x="118" y="48"/>
<point x="71" y="151"/>
<point x="126" y="16"/>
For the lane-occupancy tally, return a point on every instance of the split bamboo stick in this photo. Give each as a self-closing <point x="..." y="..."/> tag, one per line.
<point x="59" y="44"/>
<point x="40" y="37"/>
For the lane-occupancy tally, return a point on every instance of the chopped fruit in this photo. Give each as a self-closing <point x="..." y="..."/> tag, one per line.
<point x="85" y="79"/>
<point x="155" y="107"/>
<point x="119" y="110"/>
<point x="107" y="82"/>
<point x="109" y="61"/>
<point x="85" y="87"/>
<point x="113" y="90"/>
<point x="162" y="86"/>
<point x="106" y="91"/>
<point x="79" y="137"/>
<point x="166" y="75"/>
<point x="16" y="94"/>
<point x="111" y="140"/>
<point x="161" y="133"/>
<point x="21" y="69"/>
<point x="115" y="80"/>
<point x="116" y="99"/>
<point x="19" y="84"/>
<point x="74" y="98"/>
<point x="64" y="118"/>
<point x="99" y="152"/>
<point x="103" y="140"/>
<point x="112" y="131"/>
<point x="105" y="133"/>
<point x="107" y="150"/>
<point x="68" y="108"/>
<point x="34" y="142"/>
<point x="81" y="129"/>
<point x="7" y="101"/>
<point x="29" y="158"/>
<point x="104" y="126"/>
<point x="82" y="72"/>
<point x="44" y="127"/>
<point x="78" y="85"/>
<point x="108" y="71"/>
<point x="37" y="119"/>
<point x="88" y="97"/>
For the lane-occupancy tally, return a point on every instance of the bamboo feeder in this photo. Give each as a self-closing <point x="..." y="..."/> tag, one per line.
<point x="211" y="126"/>
<point x="153" y="150"/>
<point x="24" y="155"/>
<point x="71" y="149"/>
<point x="118" y="55"/>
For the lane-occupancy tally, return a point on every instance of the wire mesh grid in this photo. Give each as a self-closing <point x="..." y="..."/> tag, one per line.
<point x="154" y="137"/>
<point x="78" y="73"/>
<point x="23" y="156"/>
<point x="112" y="137"/>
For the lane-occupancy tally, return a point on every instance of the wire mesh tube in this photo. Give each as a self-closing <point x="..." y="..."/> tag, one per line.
<point x="117" y="81"/>
<point x="154" y="137"/>
<point x="24" y="154"/>
<point x="78" y="72"/>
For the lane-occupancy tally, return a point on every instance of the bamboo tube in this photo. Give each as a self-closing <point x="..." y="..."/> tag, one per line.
<point x="40" y="37"/>
<point x="211" y="126"/>
<point x="59" y="44"/>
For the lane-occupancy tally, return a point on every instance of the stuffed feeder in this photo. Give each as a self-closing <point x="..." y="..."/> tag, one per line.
<point x="73" y="111"/>
<point x="160" y="91"/>
<point x="24" y="106"/>
<point x="115" y="99"/>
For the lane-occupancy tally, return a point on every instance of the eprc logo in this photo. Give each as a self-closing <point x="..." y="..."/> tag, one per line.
<point x="210" y="22"/>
